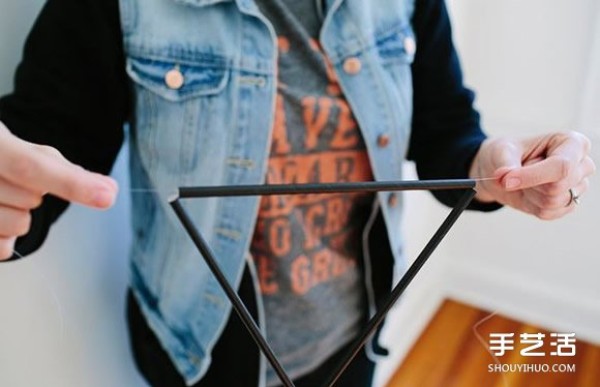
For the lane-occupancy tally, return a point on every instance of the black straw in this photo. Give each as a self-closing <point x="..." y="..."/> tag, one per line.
<point x="289" y="189"/>
<point x="406" y="279"/>
<point x="314" y="188"/>
<point x="237" y="303"/>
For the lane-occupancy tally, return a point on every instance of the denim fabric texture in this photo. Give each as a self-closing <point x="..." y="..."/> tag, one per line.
<point x="215" y="130"/>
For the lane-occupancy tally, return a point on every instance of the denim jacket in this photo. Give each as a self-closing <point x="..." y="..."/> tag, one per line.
<point x="204" y="82"/>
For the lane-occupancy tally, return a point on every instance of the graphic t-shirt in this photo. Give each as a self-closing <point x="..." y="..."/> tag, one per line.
<point x="307" y="248"/>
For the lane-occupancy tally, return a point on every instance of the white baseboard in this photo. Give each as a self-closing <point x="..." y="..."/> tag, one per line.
<point x="525" y="299"/>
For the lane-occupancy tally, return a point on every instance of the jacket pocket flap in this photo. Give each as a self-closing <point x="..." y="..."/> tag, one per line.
<point x="178" y="81"/>
<point x="397" y="45"/>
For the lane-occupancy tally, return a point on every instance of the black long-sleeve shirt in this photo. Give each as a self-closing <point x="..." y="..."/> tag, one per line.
<point x="72" y="92"/>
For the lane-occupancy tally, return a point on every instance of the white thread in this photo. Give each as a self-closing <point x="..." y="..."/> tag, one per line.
<point x="143" y="190"/>
<point x="53" y="292"/>
<point x="484" y="344"/>
<point x="484" y="178"/>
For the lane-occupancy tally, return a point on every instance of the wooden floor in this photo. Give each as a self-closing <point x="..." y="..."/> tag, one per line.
<point x="449" y="354"/>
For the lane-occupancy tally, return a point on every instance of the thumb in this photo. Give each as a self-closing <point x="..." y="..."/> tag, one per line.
<point x="549" y="170"/>
<point x="47" y="172"/>
<point x="73" y="183"/>
<point x="55" y="153"/>
<point x="42" y="169"/>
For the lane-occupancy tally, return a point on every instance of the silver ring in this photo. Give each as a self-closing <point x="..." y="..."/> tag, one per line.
<point x="574" y="197"/>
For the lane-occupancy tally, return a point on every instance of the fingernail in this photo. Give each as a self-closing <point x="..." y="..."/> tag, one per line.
<point x="110" y="182"/>
<point x="512" y="183"/>
<point x="104" y="197"/>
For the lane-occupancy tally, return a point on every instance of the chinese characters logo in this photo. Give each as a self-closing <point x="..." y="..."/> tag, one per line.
<point x="563" y="344"/>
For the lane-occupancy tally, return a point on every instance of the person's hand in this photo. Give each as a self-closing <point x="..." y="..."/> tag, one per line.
<point x="538" y="175"/>
<point x="28" y="172"/>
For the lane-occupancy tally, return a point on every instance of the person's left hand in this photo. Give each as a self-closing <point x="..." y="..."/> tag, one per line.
<point x="538" y="175"/>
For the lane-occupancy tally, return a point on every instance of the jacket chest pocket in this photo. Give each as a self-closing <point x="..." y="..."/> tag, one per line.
<point x="179" y="106"/>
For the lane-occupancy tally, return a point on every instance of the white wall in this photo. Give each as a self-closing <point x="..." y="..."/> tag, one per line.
<point x="532" y="64"/>
<point x="62" y="310"/>
<point x="535" y="66"/>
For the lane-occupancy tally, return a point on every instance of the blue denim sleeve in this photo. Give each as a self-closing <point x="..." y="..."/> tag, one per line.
<point x="446" y="131"/>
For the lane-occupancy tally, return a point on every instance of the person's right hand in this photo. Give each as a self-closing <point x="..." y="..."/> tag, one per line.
<point x="28" y="172"/>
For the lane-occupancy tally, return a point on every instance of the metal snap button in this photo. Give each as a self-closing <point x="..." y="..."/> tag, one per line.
<point x="383" y="140"/>
<point x="352" y="66"/>
<point x="410" y="46"/>
<point x="174" y="79"/>
<point x="393" y="199"/>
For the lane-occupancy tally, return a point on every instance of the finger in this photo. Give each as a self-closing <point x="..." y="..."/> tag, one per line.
<point x="569" y="144"/>
<point x="563" y="152"/>
<point x="16" y="197"/>
<point x="14" y="222"/>
<point x="554" y="214"/>
<point x="544" y="213"/>
<point x="581" y="188"/>
<point x="556" y="201"/>
<point x="520" y="201"/>
<point x="586" y="168"/>
<point x="7" y="247"/>
<point x="40" y="172"/>
<point x="575" y="144"/>
<point x="53" y="152"/>
<point x="549" y="170"/>
<point x="532" y="161"/>
<point x="504" y="180"/>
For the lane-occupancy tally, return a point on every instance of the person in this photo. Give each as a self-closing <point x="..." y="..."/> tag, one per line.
<point x="222" y="92"/>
